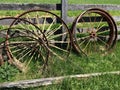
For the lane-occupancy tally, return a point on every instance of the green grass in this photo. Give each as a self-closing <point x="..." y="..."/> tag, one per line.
<point x="10" y="12"/>
<point x="75" y="64"/>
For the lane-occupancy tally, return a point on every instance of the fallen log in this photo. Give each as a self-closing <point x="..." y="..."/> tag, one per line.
<point x="49" y="81"/>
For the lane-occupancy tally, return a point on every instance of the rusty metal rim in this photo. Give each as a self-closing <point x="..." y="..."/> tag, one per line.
<point x="2" y="43"/>
<point x="101" y="12"/>
<point x="41" y="10"/>
<point x="114" y="24"/>
<point x="8" y="52"/>
<point x="21" y="19"/>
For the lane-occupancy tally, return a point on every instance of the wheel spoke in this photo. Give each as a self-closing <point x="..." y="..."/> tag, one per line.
<point x="58" y="48"/>
<point x="44" y="24"/>
<point x="98" y="27"/>
<point x="49" y="28"/>
<point x="80" y="44"/>
<point x="53" y="31"/>
<point x="58" y="35"/>
<point x="103" y="41"/>
<point x="86" y="45"/>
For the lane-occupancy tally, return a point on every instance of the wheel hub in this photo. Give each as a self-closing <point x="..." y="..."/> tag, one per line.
<point x="93" y="34"/>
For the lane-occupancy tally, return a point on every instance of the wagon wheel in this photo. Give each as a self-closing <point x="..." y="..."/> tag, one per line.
<point x="24" y="46"/>
<point x="54" y="28"/>
<point x="4" y="25"/>
<point x="94" y="31"/>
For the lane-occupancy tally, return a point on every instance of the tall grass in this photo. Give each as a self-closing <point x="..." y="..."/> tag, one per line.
<point x="75" y="64"/>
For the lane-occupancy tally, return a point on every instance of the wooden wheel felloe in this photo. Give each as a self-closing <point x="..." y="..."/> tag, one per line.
<point x="94" y="31"/>
<point x="53" y="27"/>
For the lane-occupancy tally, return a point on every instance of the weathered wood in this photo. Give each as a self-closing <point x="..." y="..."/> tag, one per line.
<point x="50" y="20"/>
<point x="116" y="18"/>
<point x="71" y="19"/>
<point x="64" y="10"/>
<point x="118" y="36"/>
<point x="57" y="6"/>
<point x="88" y="6"/>
<point x="28" y="6"/>
<point x="6" y="21"/>
<point x="49" y="81"/>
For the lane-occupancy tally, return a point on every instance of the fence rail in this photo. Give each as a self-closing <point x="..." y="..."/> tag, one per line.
<point x="64" y="6"/>
<point x="56" y="6"/>
<point x="48" y="81"/>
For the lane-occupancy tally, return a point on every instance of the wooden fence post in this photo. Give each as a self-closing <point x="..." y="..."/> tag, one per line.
<point x="64" y="9"/>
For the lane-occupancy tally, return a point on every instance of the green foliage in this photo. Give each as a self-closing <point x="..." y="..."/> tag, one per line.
<point x="7" y="72"/>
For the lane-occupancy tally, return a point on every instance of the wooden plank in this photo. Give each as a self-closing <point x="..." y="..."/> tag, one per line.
<point x="33" y="20"/>
<point x="57" y="6"/>
<point x="92" y="19"/>
<point x="49" y="81"/>
<point x="71" y="19"/>
<point x="88" y="6"/>
<point x="28" y="6"/>
<point x="50" y="20"/>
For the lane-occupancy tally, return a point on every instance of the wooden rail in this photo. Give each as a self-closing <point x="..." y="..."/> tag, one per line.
<point x="49" y="81"/>
<point x="63" y="7"/>
<point x="57" y="6"/>
<point x="68" y="19"/>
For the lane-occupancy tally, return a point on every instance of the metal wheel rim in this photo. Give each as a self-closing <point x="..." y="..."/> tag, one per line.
<point x="50" y="34"/>
<point x="113" y="31"/>
<point x="23" y="47"/>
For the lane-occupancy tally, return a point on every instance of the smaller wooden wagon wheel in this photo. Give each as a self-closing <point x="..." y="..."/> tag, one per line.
<point x="54" y="29"/>
<point x="24" y="45"/>
<point x="94" y="31"/>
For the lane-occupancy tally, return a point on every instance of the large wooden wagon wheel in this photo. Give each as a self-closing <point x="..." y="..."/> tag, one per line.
<point x="94" y="31"/>
<point x="25" y="43"/>
<point x="4" y="25"/>
<point x="54" y="29"/>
